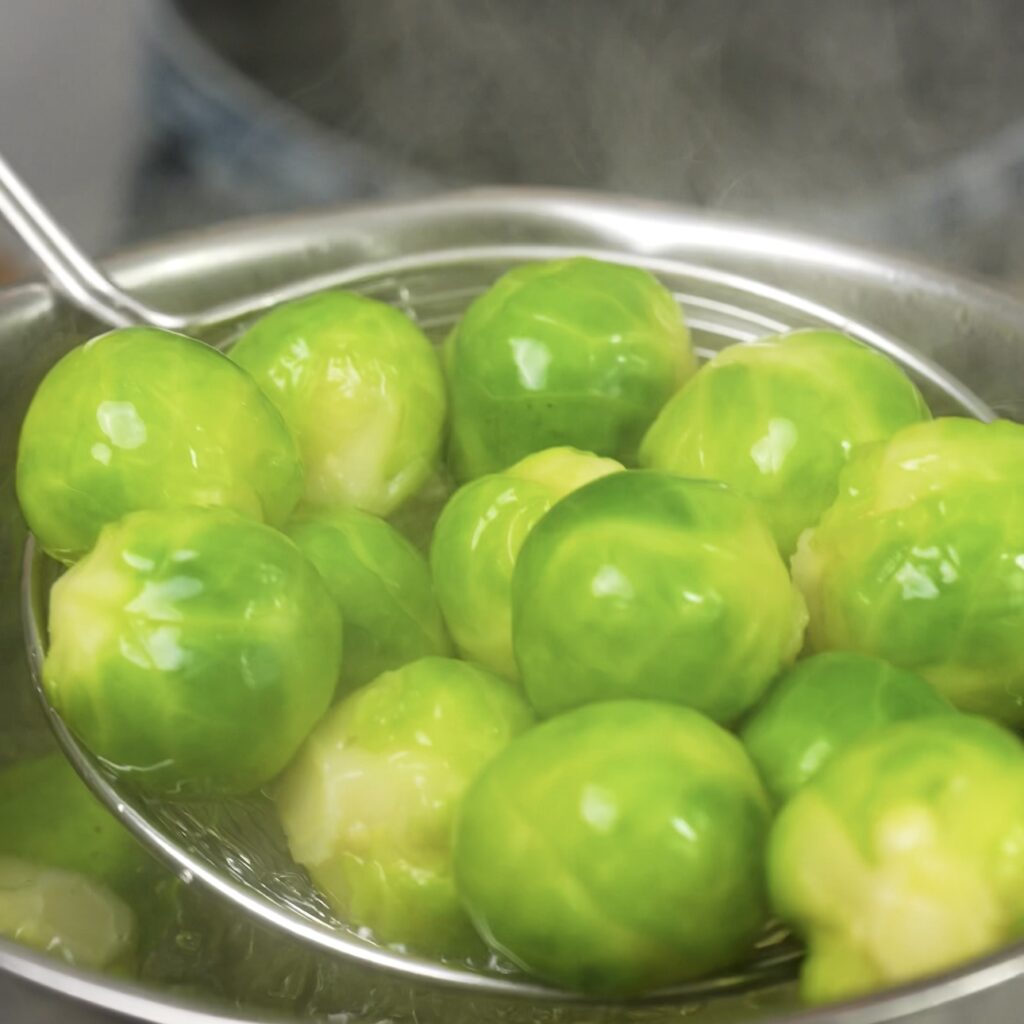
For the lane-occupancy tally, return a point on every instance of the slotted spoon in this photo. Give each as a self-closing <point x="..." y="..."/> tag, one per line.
<point x="235" y="847"/>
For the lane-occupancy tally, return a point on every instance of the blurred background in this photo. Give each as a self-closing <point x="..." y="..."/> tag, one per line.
<point x="893" y="123"/>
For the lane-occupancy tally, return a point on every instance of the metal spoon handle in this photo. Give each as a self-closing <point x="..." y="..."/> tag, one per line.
<point x="71" y="271"/>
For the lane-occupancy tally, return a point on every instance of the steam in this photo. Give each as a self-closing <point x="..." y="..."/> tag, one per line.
<point x="707" y="101"/>
<point x="853" y="118"/>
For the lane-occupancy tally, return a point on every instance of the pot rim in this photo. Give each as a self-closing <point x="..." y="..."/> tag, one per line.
<point x="652" y="228"/>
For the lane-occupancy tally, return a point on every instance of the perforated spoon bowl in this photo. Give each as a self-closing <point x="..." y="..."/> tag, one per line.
<point x="235" y="848"/>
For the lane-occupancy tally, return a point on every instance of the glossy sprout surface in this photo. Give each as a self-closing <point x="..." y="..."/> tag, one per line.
<point x="477" y="541"/>
<point x="777" y="420"/>
<point x="361" y="388"/>
<point x="645" y="584"/>
<point x="367" y="805"/>
<point x="570" y="352"/>
<point x="142" y="418"/>
<point x="193" y="650"/>
<point x="382" y="587"/>
<point x="921" y="561"/>
<point x="904" y="856"/>
<point x="66" y="914"/>
<point x="821" y="706"/>
<point x="617" y="848"/>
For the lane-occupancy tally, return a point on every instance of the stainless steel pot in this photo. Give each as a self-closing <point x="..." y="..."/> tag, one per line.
<point x="976" y="334"/>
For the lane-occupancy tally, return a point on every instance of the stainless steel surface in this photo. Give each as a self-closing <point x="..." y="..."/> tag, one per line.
<point x="68" y="267"/>
<point x="431" y="257"/>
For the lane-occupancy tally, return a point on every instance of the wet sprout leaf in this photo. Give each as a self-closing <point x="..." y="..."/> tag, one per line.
<point x="193" y="650"/>
<point x="648" y="585"/>
<point x="617" y="848"/>
<point x="382" y="587"/>
<point x="919" y="562"/>
<point x="477" y="540"/>
<point x="822" y="705"/>
<point x="360" y="387"/>
<point x="368" y="804"/>
<point x="573" y="352"/>
<point x="141" y="418"/>
<point x="777" y="419"/>
<point x="904" y="856"/>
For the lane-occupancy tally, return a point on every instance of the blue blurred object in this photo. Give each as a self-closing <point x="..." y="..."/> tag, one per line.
<point x="218" y="145"/>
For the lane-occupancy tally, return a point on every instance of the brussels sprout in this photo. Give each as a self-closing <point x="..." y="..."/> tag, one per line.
<point x="904" y="856"/>
<point x="382" y="587"/>
<point x="142" y="419"/>
<point x="778" y="419"/>
<point x="919" y="561"/>
<point x="367" y="805"/>
<point x="645" y="584"/>
<point x="361" y="388"/>
<point x="617" y="848"/>
<point x="49" y="818"/>
<point x="192" y="650"/>
<point x="478" y="538"/>
<point x="66" y="914"/>
<point x="824" y="704"/>
<point x="570" y="352"/>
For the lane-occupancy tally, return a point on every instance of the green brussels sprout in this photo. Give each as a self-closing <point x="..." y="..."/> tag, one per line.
<point x="143" y="419"/>
<point x="76" y="863"/>
<point x="645" y="584"/>
<point x="66" y="914"/>
<point x="919" y="561"/>
<point x="778" y="419"/>
<point x="382" y="587"/>
<point x="51" y="819"/>
<point x="361" y="388"/>
<point x="478" y="538"/>
<point x="617" y="848"/>
<point x="904" y="856"/>
<point x="367" y="805"/>
<point x="570" y="352"/>
<point x="193" y="650"/>
<point x="821" y="706"/>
